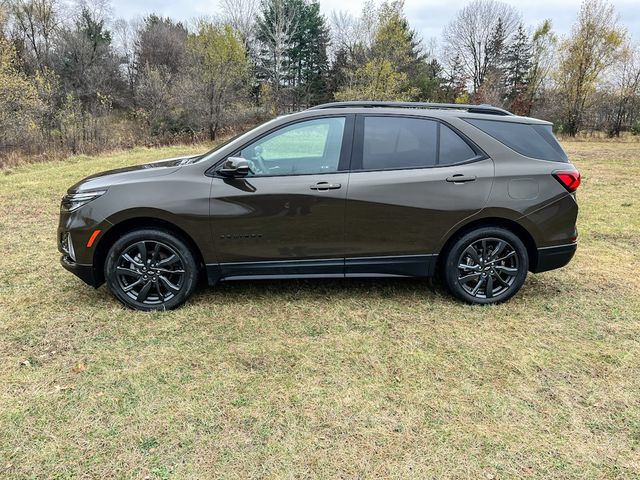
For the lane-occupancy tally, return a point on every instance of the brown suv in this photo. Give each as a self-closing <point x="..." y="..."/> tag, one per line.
<point x="340" y="190"/>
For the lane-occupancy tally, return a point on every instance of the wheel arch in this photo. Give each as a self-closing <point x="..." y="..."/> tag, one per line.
<point x="521" y="232"/>
<point x="138" y="223"/>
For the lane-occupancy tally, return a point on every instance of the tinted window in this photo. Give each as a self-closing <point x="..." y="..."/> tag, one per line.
<point x="546" y="132"/>
<point x="453" y="149"/>
<point x="536" y="141"/>
<point x="312" y="146"/>
<point x="397" y="142"/>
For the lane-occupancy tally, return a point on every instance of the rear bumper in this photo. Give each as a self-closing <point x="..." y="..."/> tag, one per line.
<point x="550" y="258"/>
<point x="83" y="272"/>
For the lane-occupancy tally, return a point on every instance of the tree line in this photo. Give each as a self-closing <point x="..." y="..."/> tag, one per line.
<point x="73" y="79"/>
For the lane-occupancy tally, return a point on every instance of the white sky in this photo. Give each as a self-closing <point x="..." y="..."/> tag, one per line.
<point x="426" y="16"/>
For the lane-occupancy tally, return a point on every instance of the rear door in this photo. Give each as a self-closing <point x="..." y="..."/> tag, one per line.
<point x="412" y="180"/>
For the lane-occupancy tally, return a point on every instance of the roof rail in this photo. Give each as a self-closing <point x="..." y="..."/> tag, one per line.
<point x="418" y="105"/>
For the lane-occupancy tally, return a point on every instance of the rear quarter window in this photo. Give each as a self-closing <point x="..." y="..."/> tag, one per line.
<point x="453" y="149"/>
<point x="536" y="141"/>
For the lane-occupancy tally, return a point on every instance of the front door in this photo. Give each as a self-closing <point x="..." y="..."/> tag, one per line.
<point x="287" y="216"/>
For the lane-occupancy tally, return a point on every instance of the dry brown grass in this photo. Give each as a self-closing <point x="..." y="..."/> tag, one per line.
<point x="323" y="379"/>
<point x="600" y="137"/>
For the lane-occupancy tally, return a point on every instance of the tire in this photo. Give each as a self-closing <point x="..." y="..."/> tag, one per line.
<point x="165" y="281"/>
<point x="486" y="266"/>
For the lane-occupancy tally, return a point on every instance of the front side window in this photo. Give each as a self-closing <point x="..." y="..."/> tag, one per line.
<point x="308" y="147"/>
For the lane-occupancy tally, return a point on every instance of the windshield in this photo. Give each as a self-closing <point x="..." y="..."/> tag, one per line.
<point x="215" y="149"/>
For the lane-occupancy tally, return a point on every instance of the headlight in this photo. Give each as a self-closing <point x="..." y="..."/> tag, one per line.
<point x="73" y="201"/>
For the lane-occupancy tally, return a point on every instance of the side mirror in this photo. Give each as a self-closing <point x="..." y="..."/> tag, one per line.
<point x="235" y="167"/>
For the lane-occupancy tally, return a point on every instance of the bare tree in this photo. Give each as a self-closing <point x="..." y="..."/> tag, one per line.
<point x="469" y="36"/>
<point x="124" y="36"/>
<point x="220" y="69"/>
<point x="353" y="34"/>
<point x="344" y="33"/>
<point x="241" y="15"/>
<point x="276" y="29"/>
<point x="35" y="23"/>
<point x="347" y="32"/>
<point x="20" y="105"/>
<point x="624" y="84"/>
<point x="594" y="45"/>
<point x="99" y="10"/>
<point x="543" y="43"/>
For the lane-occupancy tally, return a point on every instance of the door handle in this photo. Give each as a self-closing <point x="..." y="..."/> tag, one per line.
<point x="322" y="186"/>
<point x="460" y="178"/>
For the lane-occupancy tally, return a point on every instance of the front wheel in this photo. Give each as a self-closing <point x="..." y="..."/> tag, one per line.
<point x="151" y="269"/>
<point x="487" y="265"/>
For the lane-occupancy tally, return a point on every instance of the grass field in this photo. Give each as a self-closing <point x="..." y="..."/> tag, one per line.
<point x="323" y="379"/>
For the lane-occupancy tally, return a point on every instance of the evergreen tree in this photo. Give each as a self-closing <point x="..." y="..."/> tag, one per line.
<point x="457" y="82"/>
<point x="293" y="56"/>
<point x="307" y="54"/>
<point x="275" y="28"/>
<point x="88" y="66"/>
<point x="161" y="44"/>
<point x="395" y="66"/>
<point x="396" y="41"/>
<point x="494" y="57"/>
<point x="492" y="89"/>
<point x="477" y="34"/>
<point x="518" y="57"/>
<point x="338" y="75"/>
<point x="431" y="82"/>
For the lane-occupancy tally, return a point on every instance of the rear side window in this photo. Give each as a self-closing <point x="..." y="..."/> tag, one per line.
<point x="536" y="141"/>
<point x="391" y="143"/>
<point x="399" y="142"/>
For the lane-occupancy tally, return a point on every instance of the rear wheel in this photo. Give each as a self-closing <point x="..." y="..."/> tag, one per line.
<point x="487" y="265"/>
<point x="151" y="269"/>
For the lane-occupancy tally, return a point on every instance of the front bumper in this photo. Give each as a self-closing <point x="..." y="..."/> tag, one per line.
<point x="83" y="272"/>
<point x="550" y="258"/>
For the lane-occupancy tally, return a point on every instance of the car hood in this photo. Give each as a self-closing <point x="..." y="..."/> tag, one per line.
<point x="129" y="174"/>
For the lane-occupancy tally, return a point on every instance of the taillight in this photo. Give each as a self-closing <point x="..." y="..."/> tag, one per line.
<point x="569" y="179"/>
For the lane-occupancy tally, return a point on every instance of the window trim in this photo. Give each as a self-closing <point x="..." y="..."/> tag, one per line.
<point x="357" y="155"/>
<point x="344" y="161"/>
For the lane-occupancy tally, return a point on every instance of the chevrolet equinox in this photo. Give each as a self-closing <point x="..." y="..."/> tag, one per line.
<point x="351" y="189"/>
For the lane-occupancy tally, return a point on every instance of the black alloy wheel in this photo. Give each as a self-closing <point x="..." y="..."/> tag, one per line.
<point x="488" y="265"/>
<point x="487" y="268"/>
<point x="151" y="270"/>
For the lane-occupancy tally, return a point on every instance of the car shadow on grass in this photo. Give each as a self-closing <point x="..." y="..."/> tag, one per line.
<point x="323" y="286"/>
<point x="541" y="287"/>
<point x="429" y="290"/>
<point x="319" y="289"/>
